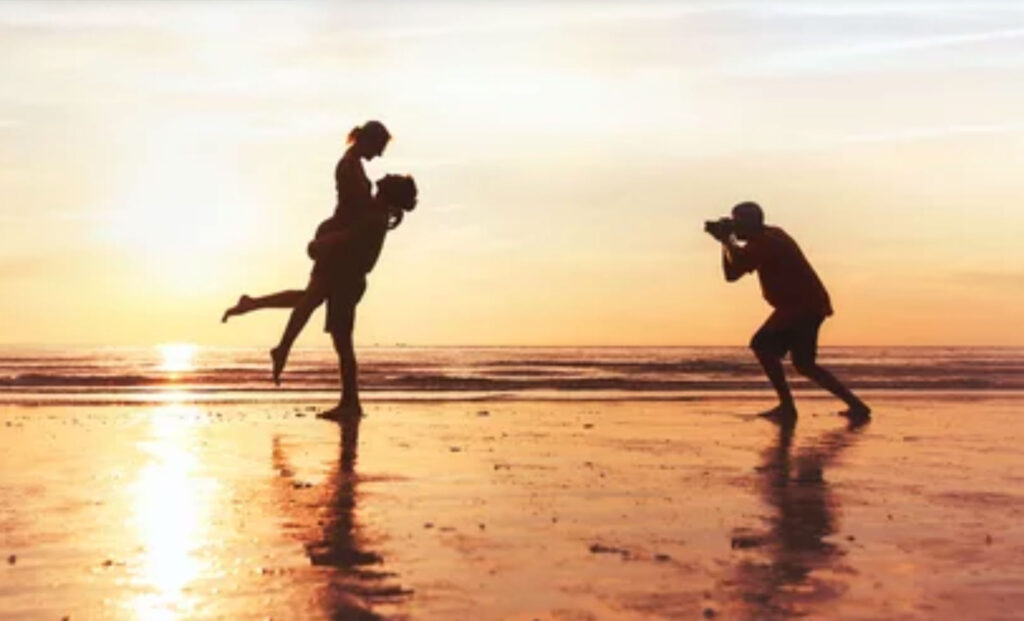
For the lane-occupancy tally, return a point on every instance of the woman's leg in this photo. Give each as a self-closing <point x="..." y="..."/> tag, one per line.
<point x="303" y="308"/>
<point x="281" y="299"/>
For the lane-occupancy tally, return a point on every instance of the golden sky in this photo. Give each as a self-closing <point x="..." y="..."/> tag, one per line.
<point x="157" y="159"/>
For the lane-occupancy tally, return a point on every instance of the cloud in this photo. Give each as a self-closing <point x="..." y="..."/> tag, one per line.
<point x="934" y="133"/>
<point x="31" y="266"/>
<point x="808" y="60"/>
<point x="57" y="215"/>
<point x="861" y="8"/>
<point x="517" y="16"/>
<point x="1004" y="279"/>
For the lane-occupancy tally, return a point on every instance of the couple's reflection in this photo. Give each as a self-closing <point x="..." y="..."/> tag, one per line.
<point x="334" y="539"/>
<point x="790" y="564"/>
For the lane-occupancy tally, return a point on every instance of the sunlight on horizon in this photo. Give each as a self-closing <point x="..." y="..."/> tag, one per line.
<point x="177" y="357"/>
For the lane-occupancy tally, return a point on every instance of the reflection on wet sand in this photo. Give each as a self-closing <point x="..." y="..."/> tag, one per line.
<point x="334" y="540"/>
<point x="171" y="504"/>
<point x="784" y="569"/>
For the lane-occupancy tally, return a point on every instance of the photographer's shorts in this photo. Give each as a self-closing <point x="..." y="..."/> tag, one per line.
<point x="798" y="337"/>
<point x="345" y="293"/>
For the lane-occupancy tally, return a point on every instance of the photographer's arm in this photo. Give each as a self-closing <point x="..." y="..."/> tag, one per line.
<point x="736" y="260"/>
<point x="728" y="267"/>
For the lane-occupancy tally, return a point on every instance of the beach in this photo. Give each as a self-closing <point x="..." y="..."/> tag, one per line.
<point x="514" y="509"/>
<point x="638" y="310"/>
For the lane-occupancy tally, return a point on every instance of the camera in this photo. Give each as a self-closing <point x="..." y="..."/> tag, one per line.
<point x="721" y="228"/>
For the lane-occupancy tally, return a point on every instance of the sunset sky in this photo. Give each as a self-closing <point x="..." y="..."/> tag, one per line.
<point x="157" y="159"/>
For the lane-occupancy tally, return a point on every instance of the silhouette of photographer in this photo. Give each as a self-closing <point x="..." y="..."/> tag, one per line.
<point x="799" y="299"/>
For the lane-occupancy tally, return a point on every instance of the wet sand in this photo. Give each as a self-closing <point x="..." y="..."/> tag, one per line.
<point x="513" y="510"/>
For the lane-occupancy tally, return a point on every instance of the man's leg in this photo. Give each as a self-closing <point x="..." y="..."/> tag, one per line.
<point x="769" y="349"/>
<point x="348" y="369"/>
<point x="342" y="323"/>
<point x="805" y="354"/>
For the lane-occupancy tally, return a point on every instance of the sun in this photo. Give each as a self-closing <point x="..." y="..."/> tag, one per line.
<point x="177" y="357"/>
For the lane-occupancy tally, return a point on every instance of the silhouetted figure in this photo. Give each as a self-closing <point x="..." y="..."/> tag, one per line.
<point x="344" y="255"/>
<point x="354" y="196"/>
<point x="355" y="252"/>
<point x="796" y="294"/>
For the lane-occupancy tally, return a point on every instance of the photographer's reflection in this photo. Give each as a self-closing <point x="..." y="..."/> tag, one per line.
<point x="354" y="587"/>
<point x="781" y="574"/>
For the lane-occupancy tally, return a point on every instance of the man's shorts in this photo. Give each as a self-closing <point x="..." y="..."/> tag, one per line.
<point x="344" y="294"/>
<point x="798" y="337"/>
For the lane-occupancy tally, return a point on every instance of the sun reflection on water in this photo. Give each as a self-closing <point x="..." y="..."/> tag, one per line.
<point x="171" y="503"/>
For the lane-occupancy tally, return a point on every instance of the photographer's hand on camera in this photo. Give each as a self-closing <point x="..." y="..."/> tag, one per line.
<point x="721" y="229"/>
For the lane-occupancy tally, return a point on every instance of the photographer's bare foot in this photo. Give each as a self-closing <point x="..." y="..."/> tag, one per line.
<point x="781" y="412"/>
<point x="278" y="358"/>
<point x="243" y="306"/>
<point x="856" y="422"/>
<point x="858" y="415"/>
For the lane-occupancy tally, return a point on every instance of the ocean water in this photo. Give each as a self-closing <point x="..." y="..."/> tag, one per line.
<point x="181" y="372"/>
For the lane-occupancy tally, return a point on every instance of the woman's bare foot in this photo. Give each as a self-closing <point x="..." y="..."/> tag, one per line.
<point x="243" y="306"/>
<point x="278" y="358"/>
<point x="781" y="412"/>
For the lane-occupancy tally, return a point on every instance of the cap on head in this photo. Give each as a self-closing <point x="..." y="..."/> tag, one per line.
<point x="748" y="212"/>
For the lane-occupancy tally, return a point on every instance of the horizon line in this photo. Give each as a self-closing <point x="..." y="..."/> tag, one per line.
<point x="491" y="346"/>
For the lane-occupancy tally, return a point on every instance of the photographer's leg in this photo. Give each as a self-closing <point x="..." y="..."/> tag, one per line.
<point x="805" y="354"/>
<point x="824" y="378"/>
<point x="769" y="350"/>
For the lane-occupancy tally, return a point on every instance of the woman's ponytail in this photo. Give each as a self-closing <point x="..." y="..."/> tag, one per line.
<point x="370" y="130"/>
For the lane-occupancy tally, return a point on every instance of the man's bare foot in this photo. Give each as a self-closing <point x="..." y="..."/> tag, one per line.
<point x="278" y="358"/>
<point x="781" y="412"/>
<point x="342" y="411"/>
<point x="243" y="306"/>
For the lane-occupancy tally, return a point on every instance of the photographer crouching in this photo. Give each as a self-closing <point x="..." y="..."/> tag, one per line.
<point x="800" y="302"/>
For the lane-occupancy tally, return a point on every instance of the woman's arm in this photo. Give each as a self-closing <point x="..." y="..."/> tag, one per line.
<point x="323" y="244"/>
<point x="374" y="217"/>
